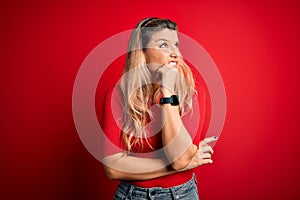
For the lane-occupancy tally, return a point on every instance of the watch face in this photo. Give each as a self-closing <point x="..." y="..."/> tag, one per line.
<point x="175" y="101"/>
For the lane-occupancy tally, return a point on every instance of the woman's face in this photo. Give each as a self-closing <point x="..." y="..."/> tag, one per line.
<point x="162" y="49"/>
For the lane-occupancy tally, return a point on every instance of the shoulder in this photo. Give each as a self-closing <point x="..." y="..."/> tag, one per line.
<point x="113" y="93"/>
<point x="113" y="104"/>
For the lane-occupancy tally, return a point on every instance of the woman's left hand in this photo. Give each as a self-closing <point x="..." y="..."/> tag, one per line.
<point x="203" y="155"/>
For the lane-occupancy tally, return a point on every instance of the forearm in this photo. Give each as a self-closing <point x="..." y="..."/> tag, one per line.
<point x="113" y="173"/>
<point x="122" y="166"/>
<point x="177" y="142"/>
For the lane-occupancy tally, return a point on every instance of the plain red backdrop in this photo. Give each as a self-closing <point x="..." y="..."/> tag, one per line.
<point x="254" y="44"/>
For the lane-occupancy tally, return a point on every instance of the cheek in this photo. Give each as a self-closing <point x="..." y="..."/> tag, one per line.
<point x="158" y="56"/>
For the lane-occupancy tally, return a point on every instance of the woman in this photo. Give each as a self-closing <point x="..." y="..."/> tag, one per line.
<point x="149" y="117"/>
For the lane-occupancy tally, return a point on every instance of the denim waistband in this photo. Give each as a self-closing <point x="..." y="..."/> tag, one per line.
<point x="173" y="191"/>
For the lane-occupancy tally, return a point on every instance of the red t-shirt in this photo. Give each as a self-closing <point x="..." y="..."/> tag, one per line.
<point x="112" y="122"/>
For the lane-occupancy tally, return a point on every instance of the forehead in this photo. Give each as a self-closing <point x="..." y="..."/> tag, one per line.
<point x="167" y="34"/>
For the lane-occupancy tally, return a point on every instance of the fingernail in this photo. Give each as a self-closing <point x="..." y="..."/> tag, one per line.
<point x="216" y="137"/>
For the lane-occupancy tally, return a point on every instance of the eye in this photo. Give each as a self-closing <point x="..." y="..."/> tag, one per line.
<point x="163" y="46"/>
<point x="176" y="45"/>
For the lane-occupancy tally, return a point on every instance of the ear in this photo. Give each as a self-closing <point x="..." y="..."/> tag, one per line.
<point x="144" y="55"/>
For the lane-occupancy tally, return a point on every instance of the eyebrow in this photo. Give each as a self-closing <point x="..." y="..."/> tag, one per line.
<point x="162" y="39"/>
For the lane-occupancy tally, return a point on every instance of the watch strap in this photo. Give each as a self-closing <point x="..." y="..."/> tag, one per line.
<point x="173" y="100"/>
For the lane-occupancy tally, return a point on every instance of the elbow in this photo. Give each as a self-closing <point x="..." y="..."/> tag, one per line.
<point x="180" y="164"/>
<point x="111" y="173"/>
<point x="110" y="176"/>
<point x="184" y="160"/>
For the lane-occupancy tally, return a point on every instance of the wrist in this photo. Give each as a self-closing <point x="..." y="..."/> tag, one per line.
<point x="166" y="92"/>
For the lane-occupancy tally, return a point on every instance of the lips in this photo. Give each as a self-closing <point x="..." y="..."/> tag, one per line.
<point x="172" y="63"/>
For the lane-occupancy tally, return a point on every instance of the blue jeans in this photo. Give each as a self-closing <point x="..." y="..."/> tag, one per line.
<point x="185" y="191"/>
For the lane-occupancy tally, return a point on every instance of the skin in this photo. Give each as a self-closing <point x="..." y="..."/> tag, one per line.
<point x="161" y="50"/>
<point x="179" y="149"/>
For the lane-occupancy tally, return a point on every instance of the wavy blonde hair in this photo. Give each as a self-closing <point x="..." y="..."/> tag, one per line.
<point x="138" y="90"/>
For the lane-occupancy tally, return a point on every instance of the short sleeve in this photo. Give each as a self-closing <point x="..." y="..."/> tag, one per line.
<point x="111" y="122"/>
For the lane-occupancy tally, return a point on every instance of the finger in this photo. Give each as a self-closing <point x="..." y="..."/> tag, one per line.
<point x="208" y="140"/>
<point x="205" y="155"/>
<point x="202" y="143"/>
<point x="165" y="68"/>
<point x="158" y="73"/>
<point x="162" y="68"/>
<point x="206" y="149"/>
<point x="207" y="161"/>
<point x="211" y="139"/>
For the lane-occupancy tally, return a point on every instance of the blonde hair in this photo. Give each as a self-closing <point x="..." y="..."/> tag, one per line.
<point x="137" y="88"/>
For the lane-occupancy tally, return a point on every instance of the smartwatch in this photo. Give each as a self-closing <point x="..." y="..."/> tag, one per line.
<point x="173" y="100"/>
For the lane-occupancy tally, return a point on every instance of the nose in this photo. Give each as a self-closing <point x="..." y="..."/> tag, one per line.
<point x="173" y="54"/>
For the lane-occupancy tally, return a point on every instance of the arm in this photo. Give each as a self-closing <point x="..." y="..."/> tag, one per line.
<point x="177" y="142"/>
<point x="126" y="167"/>
<point x="118" y="164"/>
<point x="203" y="155"/>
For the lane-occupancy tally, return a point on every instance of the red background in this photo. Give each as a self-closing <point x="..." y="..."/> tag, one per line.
<point x="255" y="46"/>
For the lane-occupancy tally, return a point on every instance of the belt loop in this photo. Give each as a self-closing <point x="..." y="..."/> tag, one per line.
<point x="173" y="193"/>
<point x="128" y="196"/>
<point x="195" y="178"/>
